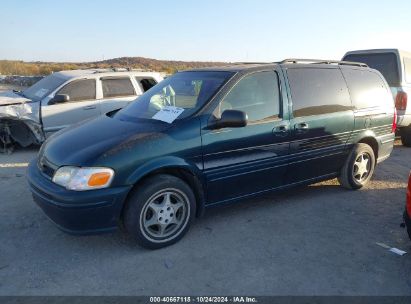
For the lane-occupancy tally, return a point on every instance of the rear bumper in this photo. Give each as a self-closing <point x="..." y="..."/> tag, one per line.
<point x="386" y="145"/>
<point x="77" y="212"/>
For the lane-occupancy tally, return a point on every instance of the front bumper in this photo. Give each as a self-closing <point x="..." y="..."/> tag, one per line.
<point x="407" y="220"/>
<point x="77" y="212"/>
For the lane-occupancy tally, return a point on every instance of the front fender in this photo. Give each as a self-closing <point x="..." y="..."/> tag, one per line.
<point x="173" y="162"/>
<point x="167" y="162"/>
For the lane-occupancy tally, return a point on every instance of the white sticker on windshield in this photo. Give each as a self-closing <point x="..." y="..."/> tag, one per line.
<point x="40" y="93"/>
<point x="168" y="114"/>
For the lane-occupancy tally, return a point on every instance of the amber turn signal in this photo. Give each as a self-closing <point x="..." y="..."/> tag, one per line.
<point x="99" y="179"/>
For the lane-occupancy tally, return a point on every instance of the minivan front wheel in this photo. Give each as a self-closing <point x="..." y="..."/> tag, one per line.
<point x="160" y="211"/>
<point x="358" y="168"/>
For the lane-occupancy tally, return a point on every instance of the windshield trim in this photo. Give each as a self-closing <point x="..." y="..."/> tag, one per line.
<point x="205" y="106"/>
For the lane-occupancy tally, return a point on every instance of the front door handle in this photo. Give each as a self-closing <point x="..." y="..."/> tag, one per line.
<point x="281" y="130"/>
<point x="301" y="127"/>
<point x="89" y="107"/>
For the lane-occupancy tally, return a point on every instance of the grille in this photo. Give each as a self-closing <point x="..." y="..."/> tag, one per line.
<point x="46" y="167"/>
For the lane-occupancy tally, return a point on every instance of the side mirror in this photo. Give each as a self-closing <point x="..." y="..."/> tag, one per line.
<point x="230" y="119"/>
<point x="59" y="99"/>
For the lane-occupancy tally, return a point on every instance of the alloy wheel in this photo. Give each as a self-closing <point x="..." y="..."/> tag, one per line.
<point x="165" y="215"/>
<point x="362" y="167"/>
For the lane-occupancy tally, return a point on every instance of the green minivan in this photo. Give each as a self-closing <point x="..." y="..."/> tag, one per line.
<point x="211" y="136"/>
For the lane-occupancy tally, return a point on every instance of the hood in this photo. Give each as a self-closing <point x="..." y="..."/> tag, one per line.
<point x="87" y="143"/>
<point x="11" y="98"/>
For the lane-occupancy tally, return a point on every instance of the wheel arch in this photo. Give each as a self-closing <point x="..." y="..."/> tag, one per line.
<point x="372" y="142"/>
<point x="177" y="167"/>
<point x="21" y="131"/>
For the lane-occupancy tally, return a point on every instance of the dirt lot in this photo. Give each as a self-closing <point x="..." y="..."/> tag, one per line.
<point x="316" y="240"/>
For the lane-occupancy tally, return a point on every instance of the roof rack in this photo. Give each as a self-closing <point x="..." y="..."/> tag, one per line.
<point x="319" y="61"/>
<point x="113" y="69"/>
<point x="237" y="63"/>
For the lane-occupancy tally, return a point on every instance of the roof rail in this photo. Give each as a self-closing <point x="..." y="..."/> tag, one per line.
<point x="115" y="69"/>
<point x="237" y="63"/>
<point x="319" y="61"/>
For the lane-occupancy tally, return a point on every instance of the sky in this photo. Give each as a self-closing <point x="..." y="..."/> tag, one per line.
<point x="207" y="30"/>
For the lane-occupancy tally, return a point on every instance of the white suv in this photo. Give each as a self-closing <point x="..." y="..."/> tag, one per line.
<point x="395" y="66"/>
<point x="67" y="97"/>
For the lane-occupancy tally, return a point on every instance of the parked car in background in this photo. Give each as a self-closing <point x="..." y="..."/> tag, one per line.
<point x="212" y="136"/>
<point x="65" y="98"/>
<point x="395" y="65"/>
<point x="407" y="212"/>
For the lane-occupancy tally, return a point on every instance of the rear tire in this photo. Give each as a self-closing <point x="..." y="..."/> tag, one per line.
<point x="358" y="168"/>
<point x="407" y="222"/>
<point x="160" y="211"/>
<point x="406" y="136"/>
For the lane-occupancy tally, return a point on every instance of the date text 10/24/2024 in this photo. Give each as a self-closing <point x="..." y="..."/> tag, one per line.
<point x="205" y="299"/>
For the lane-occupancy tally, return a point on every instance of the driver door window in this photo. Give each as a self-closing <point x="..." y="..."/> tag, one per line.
<point x="80" y="90"/>
<point x="257" y="95"/>
<point x="82" y="105"/>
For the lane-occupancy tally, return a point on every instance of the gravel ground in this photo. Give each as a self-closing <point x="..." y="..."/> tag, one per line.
<point x="316" y="240"/>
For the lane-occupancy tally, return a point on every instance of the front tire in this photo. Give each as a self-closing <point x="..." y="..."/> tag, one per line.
<point x="160" y="211"/>
<point x="406" y="136"/>
<point x="358" y="168"/>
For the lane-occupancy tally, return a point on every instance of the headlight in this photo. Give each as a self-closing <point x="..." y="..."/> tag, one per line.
<point x="80" y="179"/>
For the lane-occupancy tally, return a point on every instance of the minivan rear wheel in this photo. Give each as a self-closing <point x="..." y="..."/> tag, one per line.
<point x="406" y="136"/>
<point x="358" y="168"/>
<point x="159" y="212"/>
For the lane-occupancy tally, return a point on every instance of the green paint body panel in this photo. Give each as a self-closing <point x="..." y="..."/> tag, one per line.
<point x="224" y="164"/>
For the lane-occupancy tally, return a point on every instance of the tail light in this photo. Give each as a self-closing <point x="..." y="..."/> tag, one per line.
<point x="409" y="197"/>
<point x="394" y="122"/>
<point x="401" y="101"/>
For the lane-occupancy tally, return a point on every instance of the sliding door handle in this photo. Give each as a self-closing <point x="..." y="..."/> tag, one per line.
<point x="281" y="130"/>
<point x="301" y="127"/>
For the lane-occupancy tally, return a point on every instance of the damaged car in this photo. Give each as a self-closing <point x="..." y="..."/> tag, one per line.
<point x="64" y="98"/>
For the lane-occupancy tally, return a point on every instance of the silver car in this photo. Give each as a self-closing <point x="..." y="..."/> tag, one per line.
<point x="395" y="65"/>
<point x="65" y="98"/>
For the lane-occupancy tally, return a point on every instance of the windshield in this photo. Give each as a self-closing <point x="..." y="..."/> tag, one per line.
<point x="385" y="63"/>
<point x="43" y="87"/>
<point x="176" y="97"/>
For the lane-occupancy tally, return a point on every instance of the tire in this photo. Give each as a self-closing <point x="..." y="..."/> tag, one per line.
<point x="407" y="223"/>
<point x="406" y="136"/>
<point x="160" y="211"/>
<point x="353" y="175"/>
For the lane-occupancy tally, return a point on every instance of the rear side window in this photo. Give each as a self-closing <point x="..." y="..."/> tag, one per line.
<point x="367" y="88"/>
<point x="407" y="64"/>
<point x="318" y="91"/>
<point x="117" y="87"/>
<point x="257" y="95"/>
<point x="79" y="90"/>
<point x="146" y="83"/>
<point x="385" y="63"/>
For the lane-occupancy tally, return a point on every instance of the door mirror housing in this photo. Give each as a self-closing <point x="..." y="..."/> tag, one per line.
<point x="230" y="119"/>
<point x="61" y="98"/>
